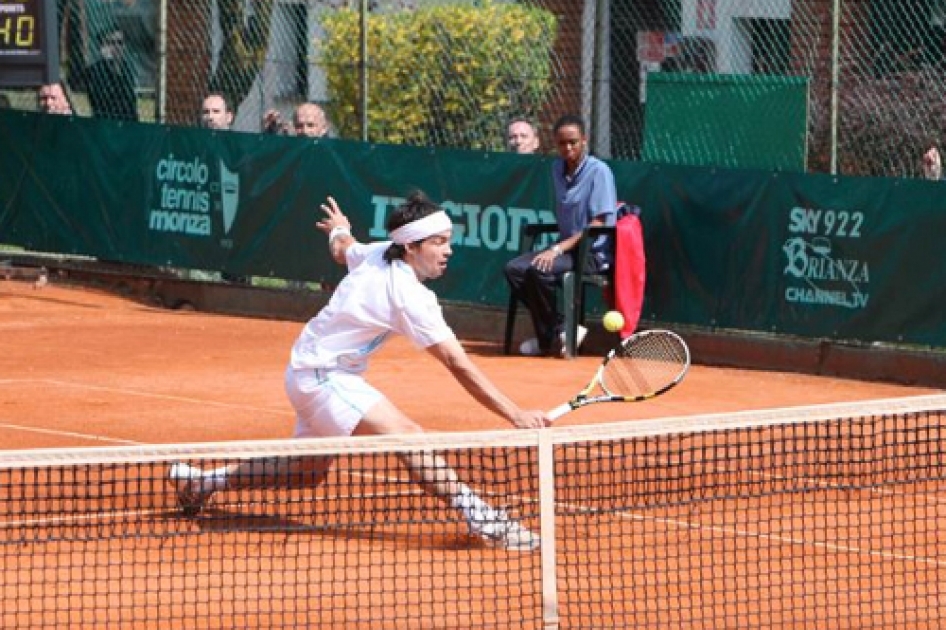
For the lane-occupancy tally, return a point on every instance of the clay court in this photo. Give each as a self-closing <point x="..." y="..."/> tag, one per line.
<point x="81" y="367"/>
<point x="84" y="368"/>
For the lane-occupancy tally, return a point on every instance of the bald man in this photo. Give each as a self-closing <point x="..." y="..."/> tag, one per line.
<point x="308" y="120"/>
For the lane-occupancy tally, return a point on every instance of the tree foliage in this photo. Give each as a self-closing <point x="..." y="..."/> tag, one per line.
<point x="449" y="74"/>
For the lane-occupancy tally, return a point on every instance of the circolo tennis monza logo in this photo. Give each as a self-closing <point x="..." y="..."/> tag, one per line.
<point x="817" y="268"/>
<point x="189" y="194"/>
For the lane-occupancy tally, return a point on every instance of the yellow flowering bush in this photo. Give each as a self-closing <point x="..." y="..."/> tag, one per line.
<point x="443" y="75"/>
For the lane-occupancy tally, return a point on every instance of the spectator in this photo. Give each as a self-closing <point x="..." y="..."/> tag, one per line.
<point x="308" y="120"/>
<point x="274" y="124"/>
<point x="5" y="102"/>
<point x="111" y="80"/>
<point x="584" y="195"/>
<point x="215" y="112"/>
<point x="52" y="99"/>
<point x="932" y="164"/>
<point x="522" y="136"/>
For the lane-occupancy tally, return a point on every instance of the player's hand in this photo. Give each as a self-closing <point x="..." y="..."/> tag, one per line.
<point x="273" y="123"/>
<point x="334" y="217"/>
<point x="531" y="419"/>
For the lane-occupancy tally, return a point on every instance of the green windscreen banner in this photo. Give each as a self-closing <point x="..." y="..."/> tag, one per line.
<point x="754" y="250"/>
<point x="724" y="120"/>
<point x="247" y="203"/>
<point x="809" y="255"/>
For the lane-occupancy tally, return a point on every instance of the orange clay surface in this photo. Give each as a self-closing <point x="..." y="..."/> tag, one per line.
<point x="79" y="367"/>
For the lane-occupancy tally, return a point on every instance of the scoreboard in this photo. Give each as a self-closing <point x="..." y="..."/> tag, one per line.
<point x="29" y="44"/>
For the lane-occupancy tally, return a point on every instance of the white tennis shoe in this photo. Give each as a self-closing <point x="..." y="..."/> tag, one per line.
<point x="192" y="497"/>
<point x="530" y="348"/>
<point x="503" y="532"/>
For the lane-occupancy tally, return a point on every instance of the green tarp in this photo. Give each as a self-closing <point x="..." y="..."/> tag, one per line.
<point x="811" y="255"/>
<point x="732" y="121"/>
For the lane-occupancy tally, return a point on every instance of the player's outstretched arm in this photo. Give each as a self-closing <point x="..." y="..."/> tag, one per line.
<point x="455" y="359"/>
<point x="338" y="228"/>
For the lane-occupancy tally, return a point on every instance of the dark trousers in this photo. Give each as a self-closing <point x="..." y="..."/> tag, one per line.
<point x="536" y="291"/>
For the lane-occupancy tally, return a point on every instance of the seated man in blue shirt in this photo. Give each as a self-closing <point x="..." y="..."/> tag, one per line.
<point x="585" y="195"/>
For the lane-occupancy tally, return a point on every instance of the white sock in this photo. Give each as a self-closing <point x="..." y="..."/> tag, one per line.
<point x="210" y="480"/>
<point x="216" y="479"/>
<point x="474" y="509"/>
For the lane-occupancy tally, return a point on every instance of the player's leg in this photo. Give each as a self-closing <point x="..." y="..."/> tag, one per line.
<point x="335" y="404"/>
<point x="195" y="486"/>
<point x="270" y="472"/>
<point x="326" y="405"/>
<point x="438" y="479"/>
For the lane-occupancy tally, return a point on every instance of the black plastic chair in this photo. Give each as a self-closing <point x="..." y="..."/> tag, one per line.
<point x="574" y="284"/>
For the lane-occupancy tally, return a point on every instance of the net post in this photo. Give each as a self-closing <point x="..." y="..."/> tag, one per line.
<point x="547" y="530"/>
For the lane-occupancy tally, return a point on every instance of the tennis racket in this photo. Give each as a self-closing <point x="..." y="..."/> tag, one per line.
<point x="644" y="365"/>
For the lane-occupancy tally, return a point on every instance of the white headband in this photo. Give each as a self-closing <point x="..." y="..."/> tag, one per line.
<point x="422" y="228"/>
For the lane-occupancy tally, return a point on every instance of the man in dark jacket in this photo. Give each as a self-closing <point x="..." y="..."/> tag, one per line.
<point x="111" y="80"/>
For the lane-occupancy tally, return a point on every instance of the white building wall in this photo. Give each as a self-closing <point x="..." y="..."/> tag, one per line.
<point x="721" y="22"/>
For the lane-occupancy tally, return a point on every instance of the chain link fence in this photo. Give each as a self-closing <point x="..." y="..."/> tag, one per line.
<point x="452" y="73"/>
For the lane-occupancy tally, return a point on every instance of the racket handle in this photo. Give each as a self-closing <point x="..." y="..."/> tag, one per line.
<point x="559" y="411"/>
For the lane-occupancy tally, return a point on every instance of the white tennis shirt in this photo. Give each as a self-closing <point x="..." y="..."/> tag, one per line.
<point x="373" y="301"/>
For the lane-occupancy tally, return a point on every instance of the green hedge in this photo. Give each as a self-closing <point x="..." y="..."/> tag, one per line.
<point x="449" y="74"/>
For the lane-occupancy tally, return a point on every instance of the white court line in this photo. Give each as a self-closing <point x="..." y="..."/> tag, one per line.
<point x="134" y="392"/>
<point x="123" y="391"/>
<point x="744" y="533"/>
<point x="60" y="433"/>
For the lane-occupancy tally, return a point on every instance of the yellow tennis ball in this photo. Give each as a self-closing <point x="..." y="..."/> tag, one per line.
<point x="613" y="321"/>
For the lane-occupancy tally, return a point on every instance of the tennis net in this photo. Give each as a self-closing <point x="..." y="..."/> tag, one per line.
<point x="823" y="516"/>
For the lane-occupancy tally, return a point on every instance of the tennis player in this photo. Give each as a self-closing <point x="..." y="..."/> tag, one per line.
<point x="382" y="295"/>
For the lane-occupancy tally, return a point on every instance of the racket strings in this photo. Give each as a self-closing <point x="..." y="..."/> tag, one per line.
<point x="644" y="365"/>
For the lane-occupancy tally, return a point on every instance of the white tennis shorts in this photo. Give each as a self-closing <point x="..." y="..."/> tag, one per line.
<point x="328" y="403"/>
